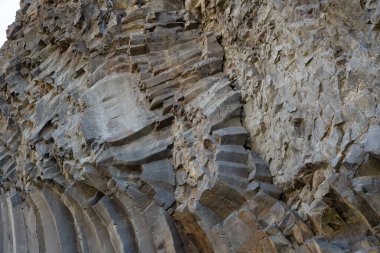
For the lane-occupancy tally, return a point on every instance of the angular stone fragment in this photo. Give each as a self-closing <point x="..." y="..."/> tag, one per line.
<point x="261" y="171"/>
<point x="231" y="136"/>
<point x="372" y="142"/>
<point x="233" y="153"/>
<point x="323" y="246"/>
<point x="161" y="172"/>
<point x="160" y="176"/>
<point x="155" y="151"/>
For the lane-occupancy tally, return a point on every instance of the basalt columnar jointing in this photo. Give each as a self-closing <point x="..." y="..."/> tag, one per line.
<point x="191" y="126"/>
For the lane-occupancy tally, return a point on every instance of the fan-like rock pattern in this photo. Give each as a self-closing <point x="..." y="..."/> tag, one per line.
<point x="123" y="130"/>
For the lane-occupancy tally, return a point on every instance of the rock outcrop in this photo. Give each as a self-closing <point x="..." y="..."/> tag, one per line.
<point x="191" y="126"/>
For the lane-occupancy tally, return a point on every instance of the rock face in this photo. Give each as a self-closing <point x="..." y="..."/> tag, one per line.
<point x="191" y="126"/>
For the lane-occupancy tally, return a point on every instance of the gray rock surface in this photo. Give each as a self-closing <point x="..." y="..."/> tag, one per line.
<point x="191" y="126"/>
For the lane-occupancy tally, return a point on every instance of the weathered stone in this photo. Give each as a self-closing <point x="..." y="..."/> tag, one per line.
<point x="260" y="171"/>
<point x="233" y="153"/>
<point x="372" y="141"/>
<point x="190" y="126"/>
<point x="231" y="136"/>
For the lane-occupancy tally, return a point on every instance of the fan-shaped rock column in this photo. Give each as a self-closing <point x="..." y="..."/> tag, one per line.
<point x="121" y="131"/>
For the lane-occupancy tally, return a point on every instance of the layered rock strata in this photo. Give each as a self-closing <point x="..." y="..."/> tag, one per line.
<point x="128" y="126"/>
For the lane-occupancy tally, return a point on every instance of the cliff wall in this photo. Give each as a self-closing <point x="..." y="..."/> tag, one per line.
<point x="191" y="126"/>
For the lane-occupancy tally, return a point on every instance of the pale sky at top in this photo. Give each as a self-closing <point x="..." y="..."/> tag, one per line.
<point x="8" y="10"/>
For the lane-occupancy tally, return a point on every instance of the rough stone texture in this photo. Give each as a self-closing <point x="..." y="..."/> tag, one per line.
<point x="309" y="75"/>
<point x="191" y="126"/>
